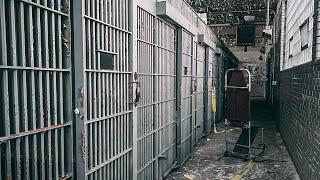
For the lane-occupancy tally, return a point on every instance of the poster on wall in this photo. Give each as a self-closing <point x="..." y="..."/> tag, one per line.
<point x="258" y="72"/>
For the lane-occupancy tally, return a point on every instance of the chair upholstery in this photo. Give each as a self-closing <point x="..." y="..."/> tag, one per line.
<point x="237" y="101"/>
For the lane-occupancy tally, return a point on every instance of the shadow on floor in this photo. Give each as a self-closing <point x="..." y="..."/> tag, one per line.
<point x="208" y="162"/>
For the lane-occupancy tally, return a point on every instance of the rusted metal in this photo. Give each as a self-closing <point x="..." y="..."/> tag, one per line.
<point x="34" y="72"/>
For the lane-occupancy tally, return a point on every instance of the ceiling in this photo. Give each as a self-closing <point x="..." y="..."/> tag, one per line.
<point x="231" y="11"/>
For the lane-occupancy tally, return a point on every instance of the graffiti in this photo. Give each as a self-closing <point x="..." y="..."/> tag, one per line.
<point x="258" y="72"/>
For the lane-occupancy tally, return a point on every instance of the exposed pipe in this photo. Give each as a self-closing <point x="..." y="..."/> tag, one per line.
<point x="268" y="14"/>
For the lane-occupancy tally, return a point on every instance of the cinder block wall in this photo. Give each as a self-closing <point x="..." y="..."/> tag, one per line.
<point x="298" y="116"/>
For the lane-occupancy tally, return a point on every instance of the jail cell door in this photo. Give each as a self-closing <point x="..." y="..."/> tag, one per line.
<point x="35" y="90"/>
<point x="156" y="109"/>
<point x="211" y="84"/>
<point x="107" y="73"/>
<point x="186" y="95"/>
<point x="198" y="94"/>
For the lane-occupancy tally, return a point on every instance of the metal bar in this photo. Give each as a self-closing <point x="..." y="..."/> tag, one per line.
<point x="178" y="95"/>
<point x="155" y="130"/>
<point x="39" y="97"/>
<point x="34" y="68"/>
<point x="80" y="78"/>
<point x="90" y="147"/>
<point x="15" y="94"/>
<point x="106" y="51"/>
<point x="99" y="157"/>
<point x="55" y="169"/>
<point x="67" y="92"/>
<point x="32" y="132"/>
<point x="94" y="90"/>
<point x="157" y="102"/>
<point x="132" y="47"/>
<point x="99" y="83"/>
<point x="47" y="100"/>
<point x="108" y="139"/>
<point x="155" y="45"/>
<point x="98" y="46"/>
<point x="118" y="134"/>
<point x="112" y="128"/>
<point x="5" y="91"/>
<point x="25" y="122"/>
<point x="103" y="140"/>
<point x="107" y="24"/>
<point x="89" y="95"/>
<point x="39" y="6"/>
<point x="32" y="94"/>
<point x="185" y="139"/>
<point x="121" y="117"/>
<point x="93" y="10"/>
<point x="60" y="89"/>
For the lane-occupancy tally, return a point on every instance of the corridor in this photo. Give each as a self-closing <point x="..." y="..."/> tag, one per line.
<point x="143" y="89"/>
<point x="208" y="161"/>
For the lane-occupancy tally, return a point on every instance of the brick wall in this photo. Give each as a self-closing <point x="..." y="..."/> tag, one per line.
<point x="298" y="116"/>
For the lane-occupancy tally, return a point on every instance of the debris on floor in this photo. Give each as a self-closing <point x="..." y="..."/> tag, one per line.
<point x="208" y="161"/>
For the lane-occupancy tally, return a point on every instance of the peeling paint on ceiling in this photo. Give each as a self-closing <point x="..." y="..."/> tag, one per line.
<point x="231" y="11"/>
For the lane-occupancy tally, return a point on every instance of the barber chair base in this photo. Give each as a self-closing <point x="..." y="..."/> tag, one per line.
<point x="241" y="148"/>
<point x="244" y="140"/>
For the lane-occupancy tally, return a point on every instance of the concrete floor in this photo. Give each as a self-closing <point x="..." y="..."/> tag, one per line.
<point x="208" y="162"/>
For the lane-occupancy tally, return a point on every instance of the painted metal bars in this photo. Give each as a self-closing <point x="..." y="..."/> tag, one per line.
<point x="186" y="91"/>
<point x="199" y="75"/>
<point x="35" y="97"/>
<point x="156" y="110"/>
<point x="212" y="78"/>
<point x="36" y="91"/>
<point x="107" y="106"/>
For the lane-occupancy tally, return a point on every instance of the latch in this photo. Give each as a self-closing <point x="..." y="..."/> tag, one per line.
<point x="138" y="92"/>
<point x="79" y="112"/>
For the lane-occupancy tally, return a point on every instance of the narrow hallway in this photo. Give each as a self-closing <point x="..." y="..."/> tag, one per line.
<point x="144" y="89"/>
<point x="208" y="161"/>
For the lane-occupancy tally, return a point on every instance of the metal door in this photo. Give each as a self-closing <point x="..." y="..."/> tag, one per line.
<point x="107" y="76"/>
<point x="156" y="109"/>
<point x="199" y="78"/>
<point x="212" y="88"/>
<point x="186" y="95"/>
<point x="35" y="84"/>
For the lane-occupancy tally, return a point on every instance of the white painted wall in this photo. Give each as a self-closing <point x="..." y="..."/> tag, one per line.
<point x="297" y="12"/>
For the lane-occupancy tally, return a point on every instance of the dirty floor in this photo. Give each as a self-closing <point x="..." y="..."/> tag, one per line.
<point x="208" y="161"/>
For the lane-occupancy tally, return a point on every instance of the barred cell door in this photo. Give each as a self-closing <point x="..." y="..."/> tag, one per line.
<point x="186" y="95"/>
<point x="156" y="143"/>
<point x="212" y="88"/>
<point x="107" y="115"/>
<point x="35" y="90"/>
<point x="199" y="80"/>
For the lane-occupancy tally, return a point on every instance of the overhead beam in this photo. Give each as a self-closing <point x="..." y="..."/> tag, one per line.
<point x="228" y="24"/>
